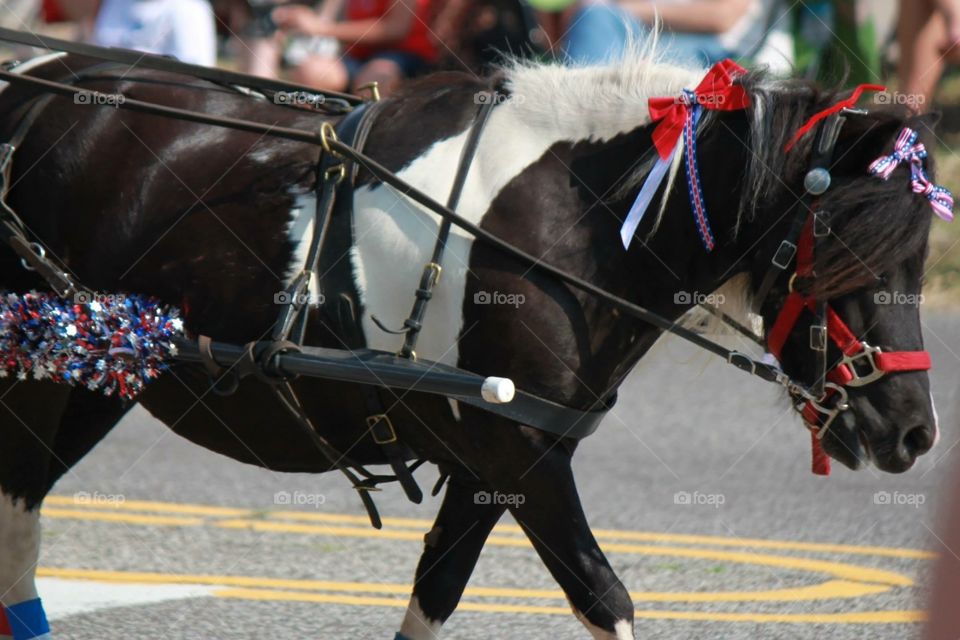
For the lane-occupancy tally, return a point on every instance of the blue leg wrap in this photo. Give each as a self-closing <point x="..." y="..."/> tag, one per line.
<point x="400" y="636"/>
<point x="27" y="620"/>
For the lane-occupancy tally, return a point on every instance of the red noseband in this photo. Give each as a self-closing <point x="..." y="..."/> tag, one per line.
<point x="860" y="364"/>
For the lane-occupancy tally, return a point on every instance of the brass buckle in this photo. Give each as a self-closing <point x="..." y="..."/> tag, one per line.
<point x="328" y="133"/>
<point x="865" y="359"/>
<point x="338" y="171"/>
<point x="374" y="88"/>
<point x="437" y="270"/>
<point x="373" y="420"/>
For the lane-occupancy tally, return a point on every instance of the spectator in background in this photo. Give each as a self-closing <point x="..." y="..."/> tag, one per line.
<point x="695" y="31"/>
<point x="19" y="14"/>
<point x="928" y="32"/>
<point x="382" y="41"/>
<point x="181" y="28"/>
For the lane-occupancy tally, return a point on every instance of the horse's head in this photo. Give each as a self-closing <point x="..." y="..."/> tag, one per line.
<point x="854" y="287"/>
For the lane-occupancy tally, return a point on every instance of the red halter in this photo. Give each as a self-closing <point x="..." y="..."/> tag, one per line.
<point x="861" y="363"/>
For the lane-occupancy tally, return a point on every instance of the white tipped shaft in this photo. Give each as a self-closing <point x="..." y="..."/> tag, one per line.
<point x="498" y="390"/>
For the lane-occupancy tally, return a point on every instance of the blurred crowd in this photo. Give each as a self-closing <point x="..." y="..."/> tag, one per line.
<point x="348" y="44"/>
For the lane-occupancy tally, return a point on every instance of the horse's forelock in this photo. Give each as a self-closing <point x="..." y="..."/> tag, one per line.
<point x="877" y="224"/>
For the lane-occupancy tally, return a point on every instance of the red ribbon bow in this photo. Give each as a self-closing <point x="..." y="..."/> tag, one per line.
<point x="716" y="91"/>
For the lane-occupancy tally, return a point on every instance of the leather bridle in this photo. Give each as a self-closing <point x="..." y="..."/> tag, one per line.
<point x="860" y="364"/>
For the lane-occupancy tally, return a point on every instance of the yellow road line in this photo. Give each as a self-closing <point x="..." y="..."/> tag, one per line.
<point x="164" y="521"/>
<point x="858" y="617"/>
<point x="421" y="525"/>
<point x="148" y="505"/>
<point x="831" y="589"/>
<point x="842" y="570"/>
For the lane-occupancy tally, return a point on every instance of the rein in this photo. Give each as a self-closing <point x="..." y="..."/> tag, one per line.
<point x="327" y="139"/>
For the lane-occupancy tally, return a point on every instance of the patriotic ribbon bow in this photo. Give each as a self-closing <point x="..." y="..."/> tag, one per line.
<point x="678" y="116"/>
<point x="907" y="149"/>
<point x="940" y="197"/>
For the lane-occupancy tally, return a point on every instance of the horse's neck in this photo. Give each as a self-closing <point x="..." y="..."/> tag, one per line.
<point x="669" y="270"/>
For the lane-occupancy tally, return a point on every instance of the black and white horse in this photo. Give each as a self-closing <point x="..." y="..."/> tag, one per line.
<point x="216" y="222"/>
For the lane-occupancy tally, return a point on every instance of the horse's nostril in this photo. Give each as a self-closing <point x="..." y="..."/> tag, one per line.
<point x="918" y="440"/>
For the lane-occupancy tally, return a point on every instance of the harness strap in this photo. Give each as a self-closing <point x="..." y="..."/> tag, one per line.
<point x="433" y="269"/>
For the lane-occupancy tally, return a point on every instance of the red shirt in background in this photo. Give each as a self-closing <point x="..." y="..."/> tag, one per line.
<point x="417" y="41"/>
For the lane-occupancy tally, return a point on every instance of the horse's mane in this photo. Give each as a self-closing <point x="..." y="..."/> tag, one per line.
<point x="883" y="223"/>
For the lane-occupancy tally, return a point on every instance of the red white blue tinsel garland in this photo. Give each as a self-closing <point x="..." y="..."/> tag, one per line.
<point x="112" y="344"/>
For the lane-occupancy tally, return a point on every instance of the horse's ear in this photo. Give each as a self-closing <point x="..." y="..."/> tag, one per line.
<point x="863" y="138"/>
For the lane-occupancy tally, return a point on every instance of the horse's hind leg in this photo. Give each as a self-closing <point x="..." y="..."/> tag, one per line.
<point x="29" y="418"/>
<point x="44" y="430"/>
<point x="450" y="554"/>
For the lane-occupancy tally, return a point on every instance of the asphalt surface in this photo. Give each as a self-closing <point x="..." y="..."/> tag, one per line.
<point x="693" y="448"/>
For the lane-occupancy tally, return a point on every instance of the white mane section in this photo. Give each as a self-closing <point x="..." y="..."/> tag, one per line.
<point x="597" y="103"/>
<point x="592" y="103"/>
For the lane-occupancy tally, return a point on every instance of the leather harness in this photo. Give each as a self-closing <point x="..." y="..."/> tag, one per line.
<point x="342" y="155"/>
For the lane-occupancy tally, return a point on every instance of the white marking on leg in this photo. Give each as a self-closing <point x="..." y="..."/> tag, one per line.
<point x="622" y="630"/>
<point x="416" y="625"/>
<point x="19" y="549"/>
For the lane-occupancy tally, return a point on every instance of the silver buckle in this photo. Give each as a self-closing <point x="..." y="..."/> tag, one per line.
<point x="868" y="371"/>
<point x="752" y="364"/>
<point x="821" y="224"/>
<point x="818" y="337"/>
<point x="831" y="413"/>
<point x="784" y="255"/>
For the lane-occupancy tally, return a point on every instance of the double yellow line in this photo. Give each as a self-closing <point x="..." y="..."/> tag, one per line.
<point x="844" y="580"/>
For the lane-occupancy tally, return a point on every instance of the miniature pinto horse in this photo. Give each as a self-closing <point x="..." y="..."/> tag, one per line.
<point x="213" y="220"/>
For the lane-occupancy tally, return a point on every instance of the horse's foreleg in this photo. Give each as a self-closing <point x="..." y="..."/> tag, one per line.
<point x="29" y="418"/>
<point x="545" y="503"/>
<point x="450" y="553"/>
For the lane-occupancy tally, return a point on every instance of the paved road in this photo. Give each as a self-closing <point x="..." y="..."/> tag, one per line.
<point x="152" y="537"/>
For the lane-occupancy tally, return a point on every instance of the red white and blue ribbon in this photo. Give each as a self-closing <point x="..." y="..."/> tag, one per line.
<point x="941" y="200"/>
<point x="678" y="117"/>
<point x="907" y="149"/>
